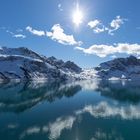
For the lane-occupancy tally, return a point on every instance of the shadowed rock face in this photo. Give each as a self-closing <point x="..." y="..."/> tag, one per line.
<point x="24" y="64"/>
<point x="72" y="67"/>
<point x="66" y="66"/>
<point x="17" y="67"/>
<point x="55" y="62"/>
<point x="19" y="51"/>
<point x="129" y="67"/>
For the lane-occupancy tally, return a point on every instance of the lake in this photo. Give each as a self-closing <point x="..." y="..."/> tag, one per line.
<point x="84" y="110"/>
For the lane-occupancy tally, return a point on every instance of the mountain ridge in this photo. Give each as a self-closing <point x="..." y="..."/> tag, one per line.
<point x="24" y="64"/>
<point x="120" y="68"/>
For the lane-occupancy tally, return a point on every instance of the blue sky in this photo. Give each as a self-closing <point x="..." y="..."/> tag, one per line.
<point x="107" y="29"/>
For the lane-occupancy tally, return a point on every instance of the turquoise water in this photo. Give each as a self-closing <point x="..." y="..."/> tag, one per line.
<point x="86" y="110"/>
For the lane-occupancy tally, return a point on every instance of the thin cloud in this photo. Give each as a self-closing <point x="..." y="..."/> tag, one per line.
<point x="57" y="34"/>
<point x="35" y="32"/>
<point x="7" y="31"/>
<point x="105" y="50"/>
<point x="19" y="30"/>
<point x="94" y="23"/>
<point x="2" y="28"/>
<point x="115" y="24"/>
<point x="60" y="7"/>
<point x="98" y="27"/>
<point x="19" y="36"/>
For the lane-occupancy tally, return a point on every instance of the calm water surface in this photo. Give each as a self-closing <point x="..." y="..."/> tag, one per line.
<point x="86" y="110"/>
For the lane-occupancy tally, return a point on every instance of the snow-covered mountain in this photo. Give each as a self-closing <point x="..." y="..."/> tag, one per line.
<point x="120" y="68"/>
<point x="64" y="66"/>
<point x="22" y="64"/>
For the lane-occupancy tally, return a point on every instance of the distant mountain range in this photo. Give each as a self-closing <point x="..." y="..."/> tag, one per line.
<point x="24" y="64"/>
<point x="120" y="68"/>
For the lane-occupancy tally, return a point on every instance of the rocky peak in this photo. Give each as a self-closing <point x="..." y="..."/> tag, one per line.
<point x="55" y="62"/>
<point x="72" y="67"/>
<point x="22" y="51"/>
<point x="66" y="66"/>
<point x="24" y="64"/>
<point x="128" y="67"/>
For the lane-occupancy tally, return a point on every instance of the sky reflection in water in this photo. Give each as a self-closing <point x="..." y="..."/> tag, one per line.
<point x="91" y="110"/>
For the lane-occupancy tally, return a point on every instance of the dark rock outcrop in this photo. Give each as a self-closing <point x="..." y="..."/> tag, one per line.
<point x="24" y="64"/>
<point x="120" y="67"/>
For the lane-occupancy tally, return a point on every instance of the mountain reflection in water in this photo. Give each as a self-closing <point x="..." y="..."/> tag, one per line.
<point x="18" y="97"/>
<point x="91" y="110"/>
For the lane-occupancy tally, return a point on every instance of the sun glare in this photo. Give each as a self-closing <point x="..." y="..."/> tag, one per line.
<point x="77" y="16"/>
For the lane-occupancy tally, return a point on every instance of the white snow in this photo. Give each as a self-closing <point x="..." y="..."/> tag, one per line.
<point x="11" y="59"/>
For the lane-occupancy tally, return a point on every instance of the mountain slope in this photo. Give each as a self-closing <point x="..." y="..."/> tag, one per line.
<point x="24" y="64"/>
<point x="120" y="68"/>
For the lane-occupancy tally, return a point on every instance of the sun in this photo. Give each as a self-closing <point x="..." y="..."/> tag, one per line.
<point x="77" y="16"/>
